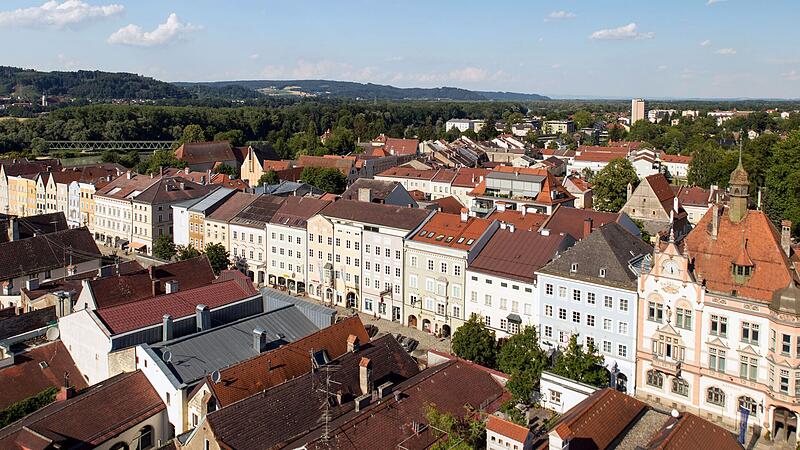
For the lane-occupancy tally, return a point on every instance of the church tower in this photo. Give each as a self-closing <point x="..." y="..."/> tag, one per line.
<point x="739" y="187"/>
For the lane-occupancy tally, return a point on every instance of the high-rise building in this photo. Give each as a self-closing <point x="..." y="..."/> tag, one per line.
<point x="638" y="111"/>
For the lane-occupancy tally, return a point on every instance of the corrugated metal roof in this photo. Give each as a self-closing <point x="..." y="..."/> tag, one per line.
<point x="211" y="200"/>
<point x="197" y="355"/>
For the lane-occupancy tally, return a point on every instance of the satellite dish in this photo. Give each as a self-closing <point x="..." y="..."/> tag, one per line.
<point x="216" y="376"/>
<point x="675" y="413"/>
<point x="167" y="356"/>
<point x="52" y="334"/>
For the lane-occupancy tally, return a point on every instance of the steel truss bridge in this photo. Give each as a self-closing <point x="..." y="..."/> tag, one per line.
<point x="99" y="146"/>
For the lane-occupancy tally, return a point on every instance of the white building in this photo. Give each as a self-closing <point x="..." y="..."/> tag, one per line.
<point x="590" y="290"/>
<point x="248" y="236"/>
<point x="463" y="125"/>
<point x="560" y="394"/>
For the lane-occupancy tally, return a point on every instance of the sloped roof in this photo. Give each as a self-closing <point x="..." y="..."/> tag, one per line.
<point x="290" y="410"/>
<point x="259" y="212"/>
<point x="205" y="152"/>
<point x="406" y="172"/>
<point x="400" y="217"/>
<point x="401" y="147"/>
<point x="46" y="252"/>
<point x="249" y="377"/>
<point x="150" y="311"/>
<point x="600" y="419"/>
<point x="30" y="226"/>
<point x="199" y="354"/>
<point x="343" y="163"/>
<point x="571" y="220"/>
<point x="713" y="257"/>
<point x="661" y="187"/>
<point x="678" y="159"/>
<point x="135" y="286"/>
<point x="610" y="247"/>
<point x="27" y="321"/>
<point x="526" y="222"/>
<point x="379" y="189"/>
<point x="173" y="189"/>
<point x="123" y="187"/>
<point x="95" y="416"/>
<point x="295" y="211"/>
<point x="447" y="230"/>
<point x="691" y="431"/>
<point x="232" y="207"/>
<point x="518" y="254"/>
<point x="515" y="432"/>
<point x="27" y="377"/>
<point x="449" y="205"/>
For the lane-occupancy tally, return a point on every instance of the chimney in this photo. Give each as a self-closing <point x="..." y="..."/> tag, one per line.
<point x="630" y="191"/>
<point x="786" y="236"/>
<point x="511" y="228"/>
<point x="587" y="227"/>
<point x="364" y="195"/>
<point x="151" y="271"/>
<point x="156" y="287"/>
<point x="186" y="170"/>
<point x="675" y="204"/>
<point x="464" y="214"/>
<point x="171" y="287"/>
<point x="32" y="284"/>
<point x="105" y="271"/>
<point x="365" y="376"/>
<point x="715" y="221"/>
<point x="544" y="232"/>
<point x="523" y="211"/>
<point x="352" y="343"/>
<point x="8" y="287"/>
<point x="501" y="206"/>
<point x="203" y="316"/>
<point x="208" y="176"/>
<point x="66" y="393"/>
<point x="128" y="175"/>
<point x="13" y="229"/>
<point x="259" y="340"/>
<point x="166" y="328"/>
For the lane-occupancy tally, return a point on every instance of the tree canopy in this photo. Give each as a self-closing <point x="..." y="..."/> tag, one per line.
<point x="610" y="185"/>
<point x="164" y="248"/>
<point x="473" y="341"/>
<point x="218" y="257"/>
<point x="523" y="359"/>
<point x="585" y="366"/>
<point x="328" y="179"/>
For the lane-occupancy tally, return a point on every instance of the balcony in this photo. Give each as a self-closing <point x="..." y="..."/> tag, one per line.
<point x="667" y="366"/>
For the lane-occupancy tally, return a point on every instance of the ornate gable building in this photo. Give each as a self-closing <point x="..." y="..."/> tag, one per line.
<point x="718" y="330"/>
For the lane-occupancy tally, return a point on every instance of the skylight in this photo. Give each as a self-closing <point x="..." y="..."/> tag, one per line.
<point x="469" y="242"/>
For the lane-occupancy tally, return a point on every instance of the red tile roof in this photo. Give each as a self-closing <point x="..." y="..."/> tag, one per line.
<point x="549" y="185"/>
<point x="228" y="182"/>
<point x="205" y="152"/>
<point x="343" y="163"/>
<point x="515" y="432"/>
<point x="599" y="419"/>
<point x="679" y="159"/>
<point x="571" y="220"/>
<point x="620" y="151"/>
<point x="713" y="258"/>
<point x="232" y="206"/>
<point x="400" y="147"/>
<point x="284" y="363"/>
<point x="661" y="187"/>
<point x="690" y="431"/>
<point x="448" y="205"/>
<point x="147" y="312"/>
<point x="598" y="157"/>
<point x="447" y="230"/>
<point x="523" y="222"/>
<point x="518" y="254"/>
<point x="469" y="177"/>
<point x="27" y="377"/>
<point x="405" y="172"/>
<point x="93" y="417"/>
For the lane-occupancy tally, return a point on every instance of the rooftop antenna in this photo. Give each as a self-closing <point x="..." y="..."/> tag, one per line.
<point x="326" y="403"/>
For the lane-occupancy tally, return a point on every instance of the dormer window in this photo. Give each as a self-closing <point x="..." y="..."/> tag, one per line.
<point x="603" y="272"/>
<point x="574" y="267"/>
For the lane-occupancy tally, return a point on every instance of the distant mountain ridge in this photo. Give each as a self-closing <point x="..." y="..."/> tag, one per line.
<point x="351" y="89"/>
<point x="98" y="86"/>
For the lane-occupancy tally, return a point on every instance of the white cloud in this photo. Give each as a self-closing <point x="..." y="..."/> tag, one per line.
<point x="726" y="51"/>
<point x="791" y="75"/>
<point x="705" y="43"/>
<point x="254" y="56"/>
<point x="624" y="32"/>
<point x="169" y="31"/>
<point x="711" y="2"/>
<point x="57" y="14"/>
<point x="559" y="15"/>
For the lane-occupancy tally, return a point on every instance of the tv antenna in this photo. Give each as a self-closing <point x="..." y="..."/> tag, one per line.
<point x="326" y="389"/>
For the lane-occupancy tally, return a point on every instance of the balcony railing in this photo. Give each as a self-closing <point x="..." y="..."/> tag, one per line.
<point x="667" y="365"/>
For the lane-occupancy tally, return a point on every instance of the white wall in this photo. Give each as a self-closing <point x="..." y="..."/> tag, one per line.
<point x="166" y="385"/>
<point x="499" y="288"/>
<point x="87" y="344"/>
<point x="562" y="394"/>
<point x="180" y="225"/>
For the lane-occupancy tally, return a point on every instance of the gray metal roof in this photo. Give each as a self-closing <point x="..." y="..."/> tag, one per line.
<point x="516" y="176"/>
<point x="197" y="355"/>
<point x="212" y="200"/>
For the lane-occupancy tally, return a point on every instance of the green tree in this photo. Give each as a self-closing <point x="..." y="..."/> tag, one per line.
<point x="192" y="133"/>
<point x="583" y="118"/>
<point x="227" y="170"/>
<point x="473" y="341"/>
<point x="184" y="252"/>
<point x="782" y="182"/>
<point x="579" y="365"/>
<point x="640" y="225"/>
<point x="235" y="137"/>
<point x="465" y="432"/>
<point x="704" y="169"/>
<point x="328" y="179"/>
<point x="610" y="185"/>
<point x="269" y="177"/>
<point x="218" y="257"/>
<point x="341" y="141"/>
<point x="523" y="359"/>
<point x="163" y="247"/>
<point x="489" y="131"/>
<point x="617" y="133"/>
<point x="160" y="159"/>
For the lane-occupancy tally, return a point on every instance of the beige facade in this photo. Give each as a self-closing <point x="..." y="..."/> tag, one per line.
<point x="638" y="111"/>
<point x="320" y="258"/>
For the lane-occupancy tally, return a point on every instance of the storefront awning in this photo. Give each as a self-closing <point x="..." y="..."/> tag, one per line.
<point x="514" y="318"/>
<point x="137" y="245"/>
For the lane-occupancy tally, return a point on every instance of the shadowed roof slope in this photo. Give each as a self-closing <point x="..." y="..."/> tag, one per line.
<point x="47" y="252"/>
<point x="400" y="217"/>
<point x="518" y="254"/>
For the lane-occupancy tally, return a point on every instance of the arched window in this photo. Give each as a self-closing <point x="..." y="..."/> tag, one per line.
<point x="655" y="378"/>
<point x="145" y="438"/>
<point x="748" y="403"/>
<point x="680" y="386"/>
<point x="715" y="396"/>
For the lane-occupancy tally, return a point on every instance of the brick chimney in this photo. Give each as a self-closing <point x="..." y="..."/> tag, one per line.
<point x="365" y="376"/>
<point x="352" y="343"/>
<point x="587" y="227"/>
<point x="464" y="214"/>
<point x="13" y="229"/>
<point x="786" y="236"/>
<point x="714" y="221"/>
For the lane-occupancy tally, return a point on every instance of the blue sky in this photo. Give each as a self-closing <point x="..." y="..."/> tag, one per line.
<point x="678" y="48"/>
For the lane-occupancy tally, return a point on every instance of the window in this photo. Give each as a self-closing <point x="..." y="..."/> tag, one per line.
<point x="430" y="285"/>
<point x="608" y="302"/>
<point x="607" y="324"/>
<point x="590" y="320"/>
<point x="487" y="300"/>
<point x="488" y="321"/>
<point x="548" y="310"/>
<point x="514" y="306"/>
<point x="548" y="289"/>
<point x="456" y="311"/>
<point x="680" y="387"/>
<point x="473" y="297"/>
<point x="574" y="267"/>
<point x="590" y="299"/>
<point x="441" y="309"/>
<point x="562" y="313"/>
<point x="719" y="325"/>
<point x="397" y="253"/>
<point x="368" y="304"/>
<point x="622" y="351"/>
<point x="338" y="242"/>
<point x="684" y="318"/>
<point x="623" y="328"/>
<point x="413" y="260"/>
<point x="388" y="253"/>
<point x="444" y="267"/>
<point x="784" y="380"/>
<point x="503" y="323"/>
<point x="715" y="396"/>
<point x="430" y="264"/>
<point x="749" y="404"/>
<point x="623" y="304"/>
<point x="655" y="312"/>
<point x="456" y="288"/>
<point x="576" y="317"/>
<point x="748" y="368"/>
<point x="562" y="292"/>
<point x="716" y="359"/>
<point x="576" y="295"/>
<point x="563" y="337"/>
<point x="548" y="331"/>
<point x="772" y="344"/>
<point x="786" y="344"/>
<point x="607" y="347"/>
<point x="655" y="379"/>
<point x="457" y="270"/>
<point x="750" y="332"/>
<point x="589" y="341"/>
